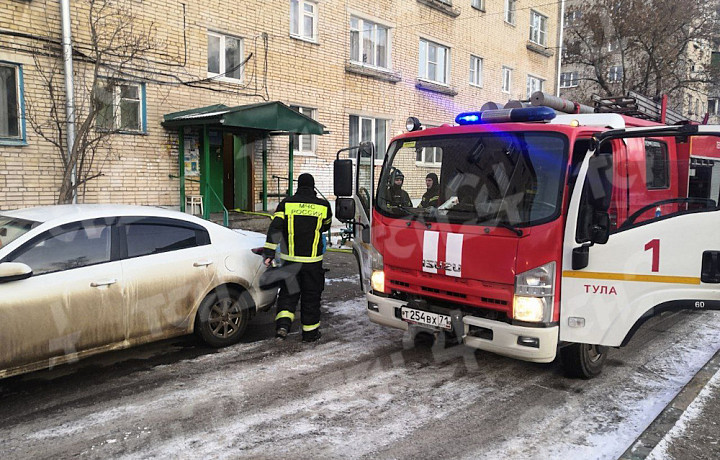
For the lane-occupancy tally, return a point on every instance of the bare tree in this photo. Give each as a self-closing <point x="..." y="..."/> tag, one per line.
<point x="652" y="47"/>
<point x="109" y="52"/>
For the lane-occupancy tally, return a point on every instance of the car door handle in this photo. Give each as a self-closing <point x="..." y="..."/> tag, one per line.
<point x="107" y="282"/>
<point x="203" y="263"/>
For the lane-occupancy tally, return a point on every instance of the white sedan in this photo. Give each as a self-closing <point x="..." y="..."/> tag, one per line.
<point x="77" y="280"/>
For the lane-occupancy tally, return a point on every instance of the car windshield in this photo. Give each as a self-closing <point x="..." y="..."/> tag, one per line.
<point x="12" y="228"/>
<point x="511" y="178"/>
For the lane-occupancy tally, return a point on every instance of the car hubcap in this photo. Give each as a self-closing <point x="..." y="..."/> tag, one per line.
<point x="225" y="318"/>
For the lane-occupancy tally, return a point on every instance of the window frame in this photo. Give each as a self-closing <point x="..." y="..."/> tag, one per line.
<point x="376" y="26"/>
<point x="532" y="78"/>
<point x="510" y="12"/>
<point x="379" y="153"/>
<point x="297" y="23"/>
<point x="477" y="70"/>
<point x="424" y="61"/>
<point x="478" y="4"/>
<point x="21" y="138"/>
<point x="664" y="150"/>
<point x="538" y="28"/>
<point x="221" y="59"/>
<point x="299" y="138"/>
<point x="572" y="82"/>
<point x="615" y="74"/>
<point x="116" y="104"/>
<point x="506" y="77"/>
<point x="202" y="236"/>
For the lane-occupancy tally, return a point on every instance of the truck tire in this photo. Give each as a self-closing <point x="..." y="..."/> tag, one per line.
<point x="581" y="360"/>
<point x="222" y="317"/>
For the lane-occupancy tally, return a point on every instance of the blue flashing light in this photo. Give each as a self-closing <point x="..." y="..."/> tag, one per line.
<point x="506" y="115"/>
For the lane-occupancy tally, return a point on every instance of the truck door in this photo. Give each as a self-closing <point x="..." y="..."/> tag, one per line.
<point x="664" y="255"/>
<point x="364" y="194"/>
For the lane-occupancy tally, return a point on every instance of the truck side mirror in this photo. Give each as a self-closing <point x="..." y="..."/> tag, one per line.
<point x="342" y="177"/>
<point x="580" y="257"/>
<point x="345" y="209"/>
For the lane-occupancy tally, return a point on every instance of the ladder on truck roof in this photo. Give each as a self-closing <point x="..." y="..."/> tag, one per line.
<point x="636" y="105"/>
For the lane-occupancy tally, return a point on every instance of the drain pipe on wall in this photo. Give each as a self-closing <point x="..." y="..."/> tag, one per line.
<point x="560" y="47"/>
<point x="69" y="88"/>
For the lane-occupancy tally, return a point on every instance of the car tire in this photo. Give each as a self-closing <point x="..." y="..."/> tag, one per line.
<point x="223" y="317"/>
<point x="581" y="360"/>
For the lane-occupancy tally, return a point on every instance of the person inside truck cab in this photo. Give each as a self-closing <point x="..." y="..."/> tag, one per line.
<point x="397" y="196"/>
<point x="431" y="197"/>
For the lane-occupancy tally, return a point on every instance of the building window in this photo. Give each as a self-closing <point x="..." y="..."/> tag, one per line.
<point x="613" y="45"/>
<point x="615" y="74"/>
<point x="538" y="28"/>
<point x="479" y="4"/>
<point x="656" y="165"/>
<point x="225" y="56"/>
<point x="364" y="129"/>
<point x="713" y="106"/>
<point x="573" y="16"/>
<point x="434" y="60"/>
<point x="506" y="79"/>
<point x="429" y="156"/>
<point x="510" y="11"/>
<point x="369" y="43"/>
<point x="121" y="106"/>
<point x="303" y="19"/>
<point x="476" y="66"/>
<point x="534" y="84"/>
<point x="568" y="79"/>
<point x="11" y="103"/>
<point x="304" y="144"/>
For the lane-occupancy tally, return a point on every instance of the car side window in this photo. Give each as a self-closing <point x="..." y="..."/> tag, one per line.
<point x="65" y="249"/>
<point x="151" y="238"/>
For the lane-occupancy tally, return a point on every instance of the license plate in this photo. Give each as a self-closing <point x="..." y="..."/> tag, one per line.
<point x="423" y="317"/>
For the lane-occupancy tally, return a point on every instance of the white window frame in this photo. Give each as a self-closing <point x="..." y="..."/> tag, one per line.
<point x="476" y="71"/>
<point x="375" y="28"/>
<point x="506" y="85"/>
<point x="19" y="106"/>
<point x="509" y="14"/>
<point x="714" y="101"/>
<point x="533" y="84"/>
<point x="478" y="4"/>
<point x="301" y="138"/>
<point x="425" y="151"/>
<point x="298" y="14"/>
<point x="569" y="79"/>
<point x="221" y="59"/>
<point x="571" y="17"/>
<point x="424" y="65"/>
<point x="538" y="28"/>
<point x="613" y="45"/>
<point x="117" y="107"/>
<point x="615" y="74"/>
<point x="379" y="152"/>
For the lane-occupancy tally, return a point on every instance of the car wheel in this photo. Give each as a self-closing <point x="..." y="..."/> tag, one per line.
<point x="583" y="360"/>
<point x="222" y="317"/>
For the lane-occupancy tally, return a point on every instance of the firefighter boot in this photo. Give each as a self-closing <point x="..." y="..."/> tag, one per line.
<point x="311" y="336"/>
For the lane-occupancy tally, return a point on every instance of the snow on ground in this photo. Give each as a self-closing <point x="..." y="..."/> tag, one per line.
<point x="693" y="411"/>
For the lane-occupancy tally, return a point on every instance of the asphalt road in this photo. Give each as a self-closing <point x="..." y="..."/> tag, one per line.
<point x="363" y="392"/>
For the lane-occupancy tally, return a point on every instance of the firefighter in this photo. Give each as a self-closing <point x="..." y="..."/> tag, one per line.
<point x="398" y="196"/>
<point x="295" y="238"/>
<point x="432" y="195"/>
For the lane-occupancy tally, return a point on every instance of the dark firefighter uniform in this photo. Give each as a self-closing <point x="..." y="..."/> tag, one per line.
<point x="295" y="237"/>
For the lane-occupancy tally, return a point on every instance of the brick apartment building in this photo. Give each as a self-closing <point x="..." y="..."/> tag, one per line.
<point x="358" y="68"/>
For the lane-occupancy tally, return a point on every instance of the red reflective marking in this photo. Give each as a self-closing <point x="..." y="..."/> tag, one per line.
<point x="655" y="246"/>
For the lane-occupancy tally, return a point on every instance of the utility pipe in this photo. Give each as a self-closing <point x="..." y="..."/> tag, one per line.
<point x="560" y="47"/>
<point x="69" y="90"/>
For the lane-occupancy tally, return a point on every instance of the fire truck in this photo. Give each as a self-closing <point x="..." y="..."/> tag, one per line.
<point x="553" y="235"/>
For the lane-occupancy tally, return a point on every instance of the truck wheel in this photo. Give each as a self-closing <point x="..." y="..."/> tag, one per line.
<point x="222" y="317"/>
<point x="583" y="360"/>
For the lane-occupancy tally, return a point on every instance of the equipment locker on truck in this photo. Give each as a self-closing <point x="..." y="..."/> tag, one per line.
<point x="554" y="233"/>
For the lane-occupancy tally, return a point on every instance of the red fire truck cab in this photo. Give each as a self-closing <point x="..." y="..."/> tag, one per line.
<point x="550" y="234"/>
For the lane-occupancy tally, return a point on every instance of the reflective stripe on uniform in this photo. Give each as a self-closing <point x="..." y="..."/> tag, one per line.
<point x="320" y="212"/>
<point x="305" y="259"/>
<point x="272" y="246"/>
<point x="285" y="314"/>
<point x="312" y="327"/>
<point x="316" y="240"/>
<point x="279" y="215"/>
<point x="291" y="234"/>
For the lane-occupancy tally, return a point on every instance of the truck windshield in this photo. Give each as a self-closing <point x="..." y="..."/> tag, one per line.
<point x="513" y="178"/>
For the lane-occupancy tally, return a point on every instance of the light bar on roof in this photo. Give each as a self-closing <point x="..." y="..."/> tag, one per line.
<point x="506" y="115"/>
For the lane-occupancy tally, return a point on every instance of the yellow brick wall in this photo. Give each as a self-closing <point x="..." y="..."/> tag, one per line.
<point x="138" y="167"/>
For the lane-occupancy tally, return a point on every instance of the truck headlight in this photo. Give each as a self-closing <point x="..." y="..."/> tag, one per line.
<point x="534" y="294"/>
<point x="377" y="280"/>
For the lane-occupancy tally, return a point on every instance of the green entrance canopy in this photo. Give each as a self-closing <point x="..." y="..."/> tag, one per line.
<point x="266" y="116"/>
